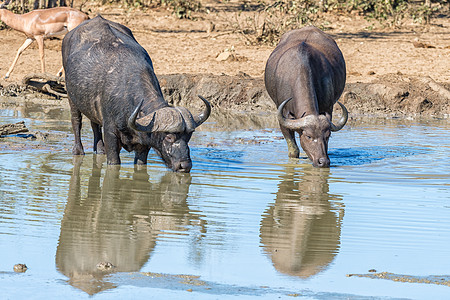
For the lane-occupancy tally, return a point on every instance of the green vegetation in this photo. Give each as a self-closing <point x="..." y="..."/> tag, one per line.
<point x="391" y="11"/>
<point x="272" y="18"/>
<point x="281" y="16"/>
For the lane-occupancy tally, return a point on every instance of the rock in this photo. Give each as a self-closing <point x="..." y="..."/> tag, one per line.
<point x="20" y="268"/>
<point x="422" y="45"/>
<point x="223" y="56"/>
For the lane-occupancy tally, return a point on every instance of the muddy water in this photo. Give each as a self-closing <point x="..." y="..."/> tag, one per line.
<point x="247" y="222"/>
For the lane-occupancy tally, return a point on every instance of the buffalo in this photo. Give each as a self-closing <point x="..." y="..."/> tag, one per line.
<point x="306" y="75"/>
<point x="110" y="79"/>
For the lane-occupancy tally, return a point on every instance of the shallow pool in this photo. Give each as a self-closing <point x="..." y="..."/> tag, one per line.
<point x="246" y="223"/>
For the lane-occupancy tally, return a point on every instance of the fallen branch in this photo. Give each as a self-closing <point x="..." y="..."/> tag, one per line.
<point x="13" y="128"/>
<point x="47" y="83"/>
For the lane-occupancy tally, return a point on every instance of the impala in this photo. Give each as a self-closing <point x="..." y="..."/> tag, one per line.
<point x="40" y="24"/>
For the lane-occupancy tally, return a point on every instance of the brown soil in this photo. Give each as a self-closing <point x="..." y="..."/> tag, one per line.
<point x="390" y="71"/>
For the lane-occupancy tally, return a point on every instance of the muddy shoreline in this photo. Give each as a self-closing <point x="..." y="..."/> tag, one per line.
<point x="391" y="95"/>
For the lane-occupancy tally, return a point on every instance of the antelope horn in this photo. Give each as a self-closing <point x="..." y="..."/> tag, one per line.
<point x="293" y="124"/>
<point x="340" y="124"/>
<point x="202" y="117"/>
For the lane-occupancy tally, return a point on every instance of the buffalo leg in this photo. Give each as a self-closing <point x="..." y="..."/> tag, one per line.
<point x="99" y="146"/>
<point x="112" y="147"/>
<point x="289" y="136"/>
<point x="141" y="155"/>
<point x="76" y="118"/>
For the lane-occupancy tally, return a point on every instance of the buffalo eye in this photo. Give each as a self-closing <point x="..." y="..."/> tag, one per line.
<point x="170" y="138"/>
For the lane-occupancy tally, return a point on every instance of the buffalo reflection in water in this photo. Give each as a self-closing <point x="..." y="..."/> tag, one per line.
<point x="117" y="221"/>
<point x="300" y="232"/>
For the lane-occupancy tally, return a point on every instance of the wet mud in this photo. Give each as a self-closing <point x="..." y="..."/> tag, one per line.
<point x="431" y="279"/>
<point x="194" y="283"/>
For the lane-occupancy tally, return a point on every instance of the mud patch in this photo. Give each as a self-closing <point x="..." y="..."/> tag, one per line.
<point x="431" y="279"/>
<point x="193" y="283"/>
<point x="399" y="95"/>
<point x="232" y="92"/>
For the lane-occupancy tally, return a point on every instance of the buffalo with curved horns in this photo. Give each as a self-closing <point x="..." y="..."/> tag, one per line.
<point x="305" y="76"/>
<point x="110" y="79"/>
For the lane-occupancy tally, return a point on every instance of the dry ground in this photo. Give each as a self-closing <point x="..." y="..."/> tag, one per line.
<point x="397" y="63"/>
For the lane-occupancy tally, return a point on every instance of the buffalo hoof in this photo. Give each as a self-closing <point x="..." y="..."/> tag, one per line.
<point x="77" y="151"/>
<point x="294" y="154"/>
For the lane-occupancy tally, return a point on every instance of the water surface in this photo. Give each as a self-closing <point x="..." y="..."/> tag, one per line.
<point x="247" y="221"/>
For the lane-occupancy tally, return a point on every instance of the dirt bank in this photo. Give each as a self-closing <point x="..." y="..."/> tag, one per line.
<point x="391" y="95"/>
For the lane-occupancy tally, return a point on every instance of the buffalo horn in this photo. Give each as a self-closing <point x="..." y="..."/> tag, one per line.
<point x="340" y="124"/>
<point x="293" y="124"/>
<point x="132" y="120"/>
<point x="202" y="117"/>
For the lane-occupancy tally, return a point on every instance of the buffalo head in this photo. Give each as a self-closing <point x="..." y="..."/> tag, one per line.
<point x="171" y="129"/>
<point x="314" y="131"/>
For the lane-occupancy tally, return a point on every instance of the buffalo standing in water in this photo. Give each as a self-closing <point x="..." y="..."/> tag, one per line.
<point x="306" y="74"/>
<point x="110" y="80"/>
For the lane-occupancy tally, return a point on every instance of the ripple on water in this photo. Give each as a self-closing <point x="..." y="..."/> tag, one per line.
<point x="245" y="216"/>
